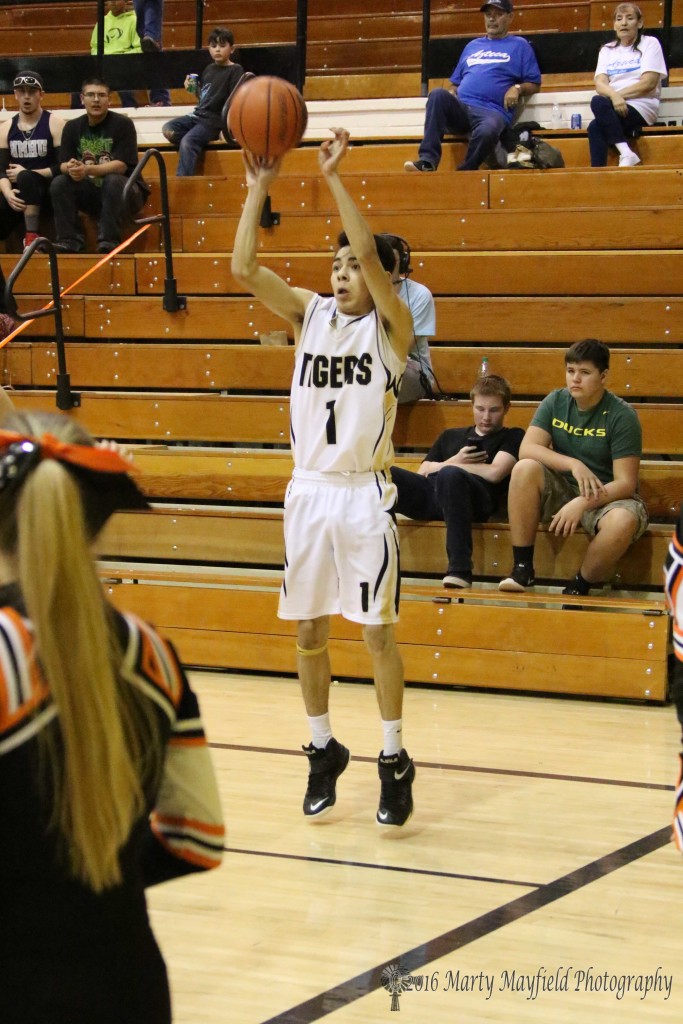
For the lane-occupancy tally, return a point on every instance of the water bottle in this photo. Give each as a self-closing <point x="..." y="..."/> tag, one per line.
<point x="484" y="368"/>
<point x="556" y="119"/>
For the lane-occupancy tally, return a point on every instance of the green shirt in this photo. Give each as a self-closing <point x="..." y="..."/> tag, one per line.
<point x="120" y="34"/>
<point x="610" y="430"/>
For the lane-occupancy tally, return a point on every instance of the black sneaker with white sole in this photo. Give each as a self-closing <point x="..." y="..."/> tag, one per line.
<point x="396" y="795"/>
<point x="520" y="579"/>
<point x="325" y="767"/>
<point x="419" y="166"/>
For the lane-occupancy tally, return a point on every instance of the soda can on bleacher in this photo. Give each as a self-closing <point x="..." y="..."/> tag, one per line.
<point x="576" y="121"/>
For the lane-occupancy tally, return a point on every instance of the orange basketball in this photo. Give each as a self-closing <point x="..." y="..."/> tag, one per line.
<point x="267" y="116"/>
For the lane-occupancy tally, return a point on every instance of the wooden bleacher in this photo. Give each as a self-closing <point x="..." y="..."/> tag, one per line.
<point x="472" y="641"/>
<point x="366" y="43"/>
<point x="521" y="264"/>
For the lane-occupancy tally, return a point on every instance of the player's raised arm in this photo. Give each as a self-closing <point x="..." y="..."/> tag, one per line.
<point x="394" y="313"/>
<point x="287" y="302"/>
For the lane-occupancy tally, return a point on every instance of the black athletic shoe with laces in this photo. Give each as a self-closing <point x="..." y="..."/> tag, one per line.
<point x="396" y="796"/>
<point x="325" y="767"/>
<point x="572" y="590"/>
<point x="521" y="577"/>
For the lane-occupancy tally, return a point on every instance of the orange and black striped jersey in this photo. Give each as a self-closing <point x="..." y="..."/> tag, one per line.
<point x="63" y="945"/>
<point x="673" y="585"/>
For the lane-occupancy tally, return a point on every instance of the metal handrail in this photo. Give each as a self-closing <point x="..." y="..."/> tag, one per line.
<point x="199" y="25"/>
<point x="172" y="301"/>
<point x="426" y="26"/>
<point x="66" y="398"/>
<point x="301" y="42"/>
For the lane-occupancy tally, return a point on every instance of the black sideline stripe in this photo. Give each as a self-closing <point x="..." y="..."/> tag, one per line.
<point x="474" y="769"/>
<point x="414" y="959"/>
<point x="383" y="867"/>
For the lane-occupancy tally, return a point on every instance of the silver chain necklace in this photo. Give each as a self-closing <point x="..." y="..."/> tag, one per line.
<point x="28" y="134"/>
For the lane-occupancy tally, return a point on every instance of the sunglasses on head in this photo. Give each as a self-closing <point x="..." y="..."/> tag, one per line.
<point x="29" y="80"/>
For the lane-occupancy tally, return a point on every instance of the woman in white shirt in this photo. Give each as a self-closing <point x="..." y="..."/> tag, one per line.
<point x="628" y="83"/>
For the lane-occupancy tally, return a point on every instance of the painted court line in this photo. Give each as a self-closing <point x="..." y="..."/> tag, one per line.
<point x="383" y="867"/>
<point x="474" y="769"/>
<point x="413" y="960"/>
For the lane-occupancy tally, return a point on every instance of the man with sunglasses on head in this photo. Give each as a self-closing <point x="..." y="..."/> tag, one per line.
<point x="28" y="158"/>
<point x="98" y="153"/>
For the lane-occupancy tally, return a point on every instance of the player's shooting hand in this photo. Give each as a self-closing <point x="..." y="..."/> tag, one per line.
<point x="332" y="150"/>
<point x="590" y="486"/>
<point x="259" y="170"/>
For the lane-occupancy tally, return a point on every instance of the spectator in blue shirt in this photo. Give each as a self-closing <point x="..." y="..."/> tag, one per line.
<point x="493" y="73"/>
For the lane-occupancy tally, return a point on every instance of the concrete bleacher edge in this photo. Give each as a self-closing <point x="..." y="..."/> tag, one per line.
<point x="387" y="118"/>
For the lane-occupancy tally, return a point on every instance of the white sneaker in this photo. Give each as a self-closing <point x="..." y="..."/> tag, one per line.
<point x="629" y="159"/>
<point x="459" y="582"/>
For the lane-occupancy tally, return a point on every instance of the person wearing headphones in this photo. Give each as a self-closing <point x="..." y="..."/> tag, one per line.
<point x="418" y="380"/>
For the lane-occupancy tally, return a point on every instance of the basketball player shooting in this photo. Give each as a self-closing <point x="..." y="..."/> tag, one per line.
<point x="341" y="540"/>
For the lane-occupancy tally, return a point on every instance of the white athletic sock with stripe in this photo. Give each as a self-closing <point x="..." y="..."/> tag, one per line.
<point x="321" y="730"/>
<point x="392" y="737"/>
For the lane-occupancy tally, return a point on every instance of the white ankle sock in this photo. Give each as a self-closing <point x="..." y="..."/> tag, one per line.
<point x="321" y="730"/>
<point x="392" y="737"/>
<point x="623" y="147"/>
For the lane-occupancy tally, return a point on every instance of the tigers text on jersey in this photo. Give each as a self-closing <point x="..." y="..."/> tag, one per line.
<point x="344" y="390"/>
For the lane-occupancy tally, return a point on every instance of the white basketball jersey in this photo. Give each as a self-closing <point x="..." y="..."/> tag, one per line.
<point x="344" y="389"/>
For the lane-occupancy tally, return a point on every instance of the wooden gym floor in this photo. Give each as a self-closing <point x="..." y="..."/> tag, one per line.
<point x="539" y="845"/>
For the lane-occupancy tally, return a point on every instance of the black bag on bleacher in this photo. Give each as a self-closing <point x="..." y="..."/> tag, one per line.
<point x="525" y="150"/>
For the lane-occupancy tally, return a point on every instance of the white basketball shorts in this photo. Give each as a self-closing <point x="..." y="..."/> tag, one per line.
<point x="341" y="548"/>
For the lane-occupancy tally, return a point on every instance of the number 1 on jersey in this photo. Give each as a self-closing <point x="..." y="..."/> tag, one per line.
<point x="331" y="426"/>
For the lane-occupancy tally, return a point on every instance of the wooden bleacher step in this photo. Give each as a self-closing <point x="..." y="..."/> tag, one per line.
<point x="512" y="646"/>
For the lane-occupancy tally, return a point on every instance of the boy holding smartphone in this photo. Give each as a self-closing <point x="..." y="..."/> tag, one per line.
<point x="464" y="477"/>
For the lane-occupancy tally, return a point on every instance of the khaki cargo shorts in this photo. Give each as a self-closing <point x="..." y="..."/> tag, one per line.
<point x="558" y="490"/>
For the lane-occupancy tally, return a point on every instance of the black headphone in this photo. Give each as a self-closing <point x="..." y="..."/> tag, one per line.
<point x="400" y="246"/>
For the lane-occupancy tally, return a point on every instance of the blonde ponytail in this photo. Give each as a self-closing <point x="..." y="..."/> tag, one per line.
<point x="95" y="775"/>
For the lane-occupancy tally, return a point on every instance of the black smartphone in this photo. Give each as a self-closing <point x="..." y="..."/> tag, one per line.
<point x="475" y="442"/>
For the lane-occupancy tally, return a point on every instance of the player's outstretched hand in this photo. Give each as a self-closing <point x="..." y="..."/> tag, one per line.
<point x="259" y="169"/>
<point x="332" y="150"/>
